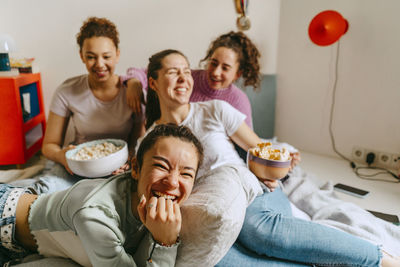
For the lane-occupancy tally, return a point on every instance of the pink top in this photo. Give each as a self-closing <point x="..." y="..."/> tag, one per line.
<point x="202" y="91"/>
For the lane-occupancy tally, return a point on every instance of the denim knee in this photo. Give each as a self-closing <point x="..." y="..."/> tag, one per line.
<point x="240" y="256"/>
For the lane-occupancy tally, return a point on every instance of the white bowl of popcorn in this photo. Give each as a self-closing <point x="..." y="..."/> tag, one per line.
<point x="97" y="158"/>
<point x="269" y="162"/>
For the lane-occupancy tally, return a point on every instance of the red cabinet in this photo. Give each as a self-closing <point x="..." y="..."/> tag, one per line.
<point x="22" y="118"/>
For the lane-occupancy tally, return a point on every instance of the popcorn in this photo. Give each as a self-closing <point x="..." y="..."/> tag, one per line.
<point x="96" y="151"/>
<point x="266" y="151"/>
<point x="21" y="62"/>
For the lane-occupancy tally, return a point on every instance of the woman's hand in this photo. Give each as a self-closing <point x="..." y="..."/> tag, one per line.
<point x="271" y="184"/>
<point x="124" y="168"/>
<point x="296" y="158"/>
<point x="162" y="218"/>
<point x="134" y="94"/>
<point x="63" y="159"/>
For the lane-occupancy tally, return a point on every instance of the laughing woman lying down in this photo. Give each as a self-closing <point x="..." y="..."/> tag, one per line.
<point x="109" y="222"/>
<point x="278" y="238"/>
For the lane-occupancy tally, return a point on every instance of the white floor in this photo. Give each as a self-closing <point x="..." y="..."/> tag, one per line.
<point x="383" y="196"/>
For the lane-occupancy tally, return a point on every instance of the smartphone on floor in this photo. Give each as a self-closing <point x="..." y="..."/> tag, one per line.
<point x="387" y="217"/>
<point x="357" y="192"/>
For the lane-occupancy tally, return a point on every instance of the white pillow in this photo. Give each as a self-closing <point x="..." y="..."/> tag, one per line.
<point x="213" y="215"/>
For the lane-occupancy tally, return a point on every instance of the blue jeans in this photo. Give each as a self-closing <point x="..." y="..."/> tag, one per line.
<point x="239" y="256"/>
<point x="271" y="230"/>
<point x="10" y="251"/>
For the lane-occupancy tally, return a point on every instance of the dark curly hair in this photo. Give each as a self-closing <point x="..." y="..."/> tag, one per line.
<point x="247" y="54"/>
<point x="98" y="27"/>
<point x="166" y="130"/>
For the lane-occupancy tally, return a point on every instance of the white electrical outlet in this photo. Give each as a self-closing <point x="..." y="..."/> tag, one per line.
<point x="358" y="154"/>
<point x="395" y="162"/>
<point x="382" y="159"/>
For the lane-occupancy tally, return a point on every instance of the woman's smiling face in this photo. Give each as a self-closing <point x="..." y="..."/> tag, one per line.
<point x="174" y="84"/>
<point x="168" y="170"/>
<point x="100" y="56"/>
<point x="222" y="68"/>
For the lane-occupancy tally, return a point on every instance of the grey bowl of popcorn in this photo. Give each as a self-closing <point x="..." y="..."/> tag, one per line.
<point x="268" y="162"/>
<point x="97" y="158"/>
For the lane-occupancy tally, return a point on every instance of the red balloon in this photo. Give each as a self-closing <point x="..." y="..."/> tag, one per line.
<point x="327" y="27"/>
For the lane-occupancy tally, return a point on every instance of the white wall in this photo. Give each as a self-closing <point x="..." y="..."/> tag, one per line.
<point x="368" y="93"/>
<point x="46" y="30"/>
<point x="367" y="110"/>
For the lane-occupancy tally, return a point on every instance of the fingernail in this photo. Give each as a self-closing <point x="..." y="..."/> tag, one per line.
<point x="142" y="199"/>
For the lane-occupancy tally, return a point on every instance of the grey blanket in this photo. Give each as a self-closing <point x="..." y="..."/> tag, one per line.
<point x="324" y="207"/>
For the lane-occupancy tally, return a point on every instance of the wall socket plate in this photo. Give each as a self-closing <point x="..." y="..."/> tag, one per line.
<point x="358" y="154"/>
<point x="395" y="162"/>
<point x="382" y="159"/>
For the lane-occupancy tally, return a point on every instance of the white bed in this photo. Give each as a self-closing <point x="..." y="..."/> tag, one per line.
<point x="384" y="197"/>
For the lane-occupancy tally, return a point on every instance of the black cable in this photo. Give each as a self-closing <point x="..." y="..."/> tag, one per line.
<point x="381" y="171"/>
<point x="352" y="164"/>
<point x="333" y="105"/>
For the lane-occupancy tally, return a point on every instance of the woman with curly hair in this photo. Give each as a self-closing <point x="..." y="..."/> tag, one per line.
<point x="93" y="101"/>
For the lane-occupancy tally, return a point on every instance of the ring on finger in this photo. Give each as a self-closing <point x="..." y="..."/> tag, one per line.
<point x="150" y="205"/>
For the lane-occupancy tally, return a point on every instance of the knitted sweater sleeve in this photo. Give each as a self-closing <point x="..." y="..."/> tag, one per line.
<point x="244" y="106"/>
<point x="239" y="100"/>
<point x="137" y="73"/>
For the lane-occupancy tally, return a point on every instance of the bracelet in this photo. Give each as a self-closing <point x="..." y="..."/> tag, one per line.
<point x="168" y="245"/>
<point x="163" y="245"/>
